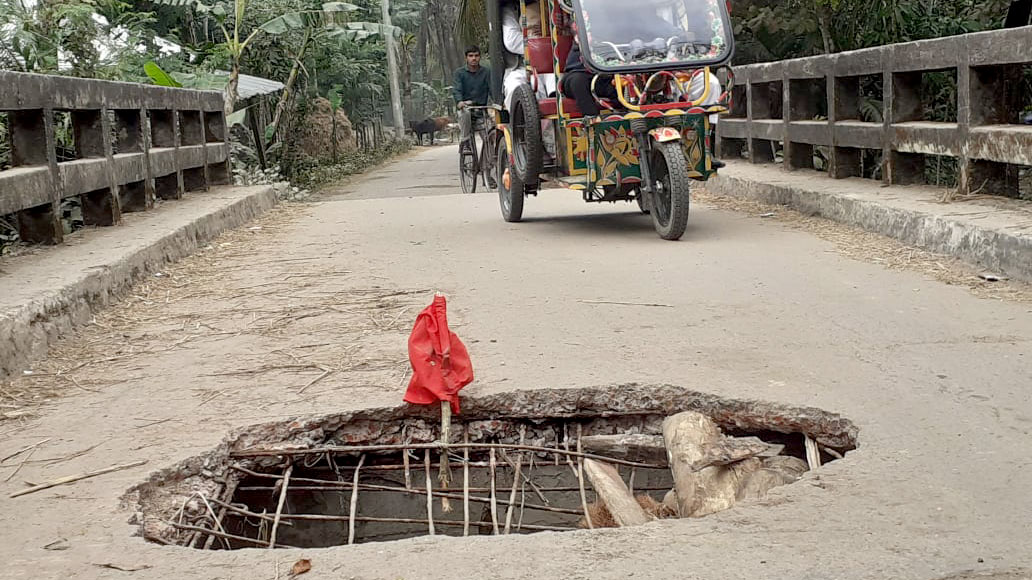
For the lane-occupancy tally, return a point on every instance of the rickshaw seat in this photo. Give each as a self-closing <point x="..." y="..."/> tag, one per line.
<point x="540" y="52"/>
<point x="551" y="107"/>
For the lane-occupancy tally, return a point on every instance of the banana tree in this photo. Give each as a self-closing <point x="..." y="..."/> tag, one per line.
<point x="327" y="22"/>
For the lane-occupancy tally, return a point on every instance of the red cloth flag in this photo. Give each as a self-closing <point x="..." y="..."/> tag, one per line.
<point x="440" y="362"/>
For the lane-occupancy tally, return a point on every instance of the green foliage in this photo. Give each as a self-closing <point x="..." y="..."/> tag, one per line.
<point x="159" y="76"/>
<point x="776" y="29"/>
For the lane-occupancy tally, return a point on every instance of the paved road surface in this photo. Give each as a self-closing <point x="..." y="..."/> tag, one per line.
<point x="937" y="379"/>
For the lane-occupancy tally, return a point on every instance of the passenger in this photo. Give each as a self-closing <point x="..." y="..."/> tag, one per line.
<point x="576" y="82"/>
<point x="516" y="69"/>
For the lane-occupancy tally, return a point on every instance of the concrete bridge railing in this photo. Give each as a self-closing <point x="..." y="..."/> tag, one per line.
<point x="132" y="143"/>
<point x="778" y="102"/>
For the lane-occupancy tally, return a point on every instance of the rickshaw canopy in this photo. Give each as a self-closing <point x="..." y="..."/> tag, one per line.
<point x="651" y="35"/>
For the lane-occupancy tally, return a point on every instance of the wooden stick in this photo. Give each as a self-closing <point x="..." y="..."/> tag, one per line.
<point x="626" y="303"/>
<point x="465" y="483"/>
<point x="232" y="509"/>
<point x="831" y="452"/>
<point x="408" y="472"/>
<point x="24" y="449"/>
<point x="813" y="455"/>
<point x="223" y="535"/>
<point x="346" y="486"/>
<point x="429" y="491"/>
<point x="264" y="452"/>
<point x="354" y="502"/>
<point x="444" y="475"/>
<point x="512" y="493"/>
<point x="449" y="495"/>
<point x="630" y="481"/>
<point x="494" y="503"/>
<point x="279" y="507"/>
<point x="329" y="518"/>
<point x="19" y="467"/>
<point x="74" y="478"/>
<point x="231" y="486"/>
<point x="580" y="482"/>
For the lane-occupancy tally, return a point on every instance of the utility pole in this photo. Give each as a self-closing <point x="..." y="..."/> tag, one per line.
<point x="392" y="72"/>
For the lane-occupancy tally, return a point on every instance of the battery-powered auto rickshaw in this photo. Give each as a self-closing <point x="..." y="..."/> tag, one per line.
<point x="645" y="145"/>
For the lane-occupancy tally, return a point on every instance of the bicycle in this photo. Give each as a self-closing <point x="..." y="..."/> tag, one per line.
<point x="471" y="163"/>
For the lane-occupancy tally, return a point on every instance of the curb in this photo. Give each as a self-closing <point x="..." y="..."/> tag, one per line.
<point x="903" y="213"/>
<point x="128" y="252"/>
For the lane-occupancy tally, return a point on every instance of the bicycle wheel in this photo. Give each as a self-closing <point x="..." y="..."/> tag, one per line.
<point x="468" y="167"/>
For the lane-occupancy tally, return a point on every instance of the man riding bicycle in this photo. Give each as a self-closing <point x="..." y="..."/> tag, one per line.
<point x="471" y="87"/>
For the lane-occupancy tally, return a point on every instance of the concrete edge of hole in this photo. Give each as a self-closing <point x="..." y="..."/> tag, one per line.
<point x="155" y="501"/>
<point x="104" y="265"/>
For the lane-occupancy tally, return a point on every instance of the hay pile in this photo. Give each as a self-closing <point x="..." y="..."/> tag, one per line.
<point x="317" y="131"/>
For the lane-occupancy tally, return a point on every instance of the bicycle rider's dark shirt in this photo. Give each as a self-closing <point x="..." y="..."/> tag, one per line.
<point x="472" y="86"/>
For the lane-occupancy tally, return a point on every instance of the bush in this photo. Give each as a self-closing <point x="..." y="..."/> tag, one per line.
<point x="309" y="173"/>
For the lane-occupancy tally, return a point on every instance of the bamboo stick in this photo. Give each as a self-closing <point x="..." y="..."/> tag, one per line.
<point x="580" y="482"/>
<point x="449" y="495"/>
<point x="512" y="493"/>
<point x="345" y="486"/>
<point x="354" y="502"/>
<point x="231" y="486"/>
<point x="223" y="535"/>
<point x="74" y="478"/>
<point x="329" y="518"/>
<point x="429" y="492"/>
<point x="494" y="503"/>
<point x="408" y="472"/>
<point x="263" y="452"/>
<point x="279" y="507"/>
<point x="465" y="483"/>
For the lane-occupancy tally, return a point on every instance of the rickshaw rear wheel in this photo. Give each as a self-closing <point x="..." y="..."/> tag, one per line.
<point x="670" y="195"/>
<point x="510" y="188"/>
<point x="526" y="135"/>
<point x="467" y="167"/>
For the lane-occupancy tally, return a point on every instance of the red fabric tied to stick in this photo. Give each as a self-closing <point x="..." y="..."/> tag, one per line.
<point x="440" y="362"/>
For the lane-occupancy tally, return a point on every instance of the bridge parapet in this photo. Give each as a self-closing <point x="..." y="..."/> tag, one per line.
<point x="785" y="101"/>
<point x="132" y="143"/>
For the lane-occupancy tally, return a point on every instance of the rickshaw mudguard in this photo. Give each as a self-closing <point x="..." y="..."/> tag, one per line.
<point x="664" y="134"/>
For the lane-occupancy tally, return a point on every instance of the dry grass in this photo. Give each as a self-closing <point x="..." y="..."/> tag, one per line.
<point x="311" y="311"/>
<point x="866" y="246"/>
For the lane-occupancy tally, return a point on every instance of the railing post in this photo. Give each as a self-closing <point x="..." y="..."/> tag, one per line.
<point x="843" y="103"/>
<point x="985" y="96"/>
<point x="758" y="108"/>
<point x="93" y="139"/>
<point x="33" y="143"/>
<point x="902" y="103"/>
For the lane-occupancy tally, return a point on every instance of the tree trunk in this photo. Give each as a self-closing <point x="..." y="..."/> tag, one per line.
<point x="231" y="87"/>
<point x="700" y="492"/>
<point x="392" y="73"/>
<point x="289" y="85"/>
<point x="824" y="23"/>
<point x="614" y="494"/>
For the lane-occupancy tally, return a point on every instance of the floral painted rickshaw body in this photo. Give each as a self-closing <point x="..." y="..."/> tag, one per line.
<point x="648" y="143"/>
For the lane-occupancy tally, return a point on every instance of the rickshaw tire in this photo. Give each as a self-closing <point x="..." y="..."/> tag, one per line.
<point x="528" y="168"/>
<point x="514" y="195"/>
<point x="680" y="188"/>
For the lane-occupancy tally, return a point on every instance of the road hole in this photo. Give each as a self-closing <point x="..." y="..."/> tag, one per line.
<point x="229" y="497"/>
